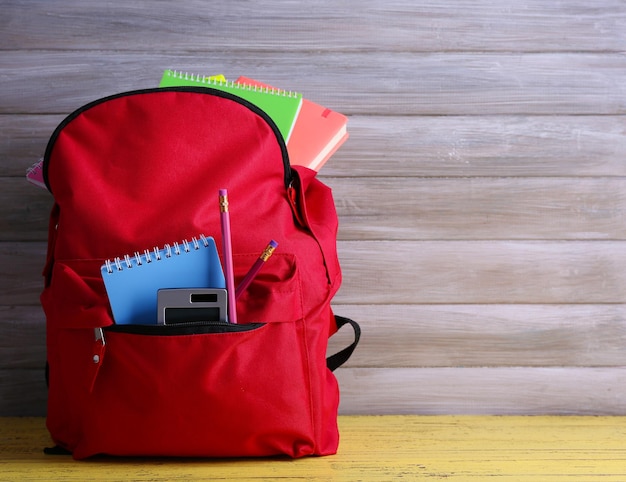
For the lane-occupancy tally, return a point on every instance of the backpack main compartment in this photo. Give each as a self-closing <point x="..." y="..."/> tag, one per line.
<point x="143" y="169"/>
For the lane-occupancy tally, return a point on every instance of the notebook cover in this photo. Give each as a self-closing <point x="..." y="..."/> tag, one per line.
<point x="132" y="291"/>
<point x="282" y="106"/>
<point x="34" y="174"/>
<point x="330" y="132"/>
<point x="317" y="134"/>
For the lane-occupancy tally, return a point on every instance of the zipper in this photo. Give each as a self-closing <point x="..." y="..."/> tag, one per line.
<point x="292" y="196"/>
<point x="100" y="343"/>
<point x="210" y="327"/>
<point x="288" y="175"/>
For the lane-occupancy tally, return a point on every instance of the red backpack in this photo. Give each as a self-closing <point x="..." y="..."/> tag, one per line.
<point x="143" y="169"/>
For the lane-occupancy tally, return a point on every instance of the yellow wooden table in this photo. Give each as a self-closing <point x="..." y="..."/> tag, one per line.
<point x="385" y="448"/>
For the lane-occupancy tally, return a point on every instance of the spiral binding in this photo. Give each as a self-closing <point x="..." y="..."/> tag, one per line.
<point x="208" y="81"/>
<point x="126" y="262"/>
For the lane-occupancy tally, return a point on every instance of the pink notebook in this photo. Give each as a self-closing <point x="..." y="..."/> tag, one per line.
<point x="35" y="174"/>
<point x="317" y="134"/>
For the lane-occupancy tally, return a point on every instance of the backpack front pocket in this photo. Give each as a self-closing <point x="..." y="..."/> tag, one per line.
<point x="236" y="391"/>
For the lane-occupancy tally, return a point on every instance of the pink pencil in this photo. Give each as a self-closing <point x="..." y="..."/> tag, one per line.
<point x="228" y="256"/>
<point x="265" y="255"/>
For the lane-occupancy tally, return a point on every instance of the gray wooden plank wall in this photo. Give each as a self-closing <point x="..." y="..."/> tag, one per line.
<point x="482" y="194"/>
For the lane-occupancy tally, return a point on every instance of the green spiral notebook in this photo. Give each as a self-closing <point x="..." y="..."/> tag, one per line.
<point x="281" y="105"/>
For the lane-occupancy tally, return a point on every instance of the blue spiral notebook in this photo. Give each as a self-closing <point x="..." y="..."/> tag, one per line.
<point x="132" y="281"/>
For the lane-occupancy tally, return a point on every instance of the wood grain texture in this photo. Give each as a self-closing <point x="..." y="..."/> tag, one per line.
<point x="455" y="448"/>
<point x="425" y="272"/>
<point x="423" y="390"/>
<point x="23" y="344"/>
<point x="27" y="219"/>
<point x="23" y="141"/>
<point x="431" y="336"/>
<point x="481" y="194"/>
<point x="21" y="280"/>
<point x="396" y="83"/>
<point x="24" y="391"/>
<point x="480" y="208"/>
<point x="398" y="25"/>
<point x="505" y="391"/>
<point x="419" y="146"/>
<point x="482" y="272"/>
<point x="479" y="146"/>
<point x="485" y="335"/>
<point x="419" y="209"/>
<point x="422" y="335"/>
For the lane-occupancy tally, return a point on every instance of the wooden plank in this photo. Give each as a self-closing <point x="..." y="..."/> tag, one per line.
<point x="481" y="391"/>
<point x="400" y="25"/>
<point x="499" y="391"/>
<point x="24" y="392"/>
<point x="21" y="265"/>
<point x="459" y="146"/>
<point x="417" y="208"/>
<point x="23" y="341"/>
<point x="24" y="210"/>
<point x="422" y="335"/>
<point x="417" y="146"/>
<point x="382" y="84"/>
<point x="485" y="335"/>
<point x="455" y="448"/>
<point x="480" y="208"/>
<point x="417" y="272"/>
<point x="23" y="141"/>
<point x="505" y="262"/>
<point x="414" y="272"/>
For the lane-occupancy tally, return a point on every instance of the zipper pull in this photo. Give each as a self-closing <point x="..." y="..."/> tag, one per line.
<point x="292" y="195"/>
<point x="99" y="348"/>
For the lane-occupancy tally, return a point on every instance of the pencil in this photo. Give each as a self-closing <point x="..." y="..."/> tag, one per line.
<point x="228" y="256"/>
<point x="265" y="255"/>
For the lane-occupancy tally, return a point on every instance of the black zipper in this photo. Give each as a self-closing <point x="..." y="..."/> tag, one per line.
<point x="288" y="176"/>
<point x="211" y="327"/>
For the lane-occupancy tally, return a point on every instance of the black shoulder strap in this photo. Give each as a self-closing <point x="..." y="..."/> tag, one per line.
<point x="335" y="361"/>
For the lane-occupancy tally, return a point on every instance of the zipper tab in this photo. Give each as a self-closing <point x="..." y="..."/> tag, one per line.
<point x="292" y="196"/>
<point x="99" y="333"/>
<point x="99" y="348"/>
